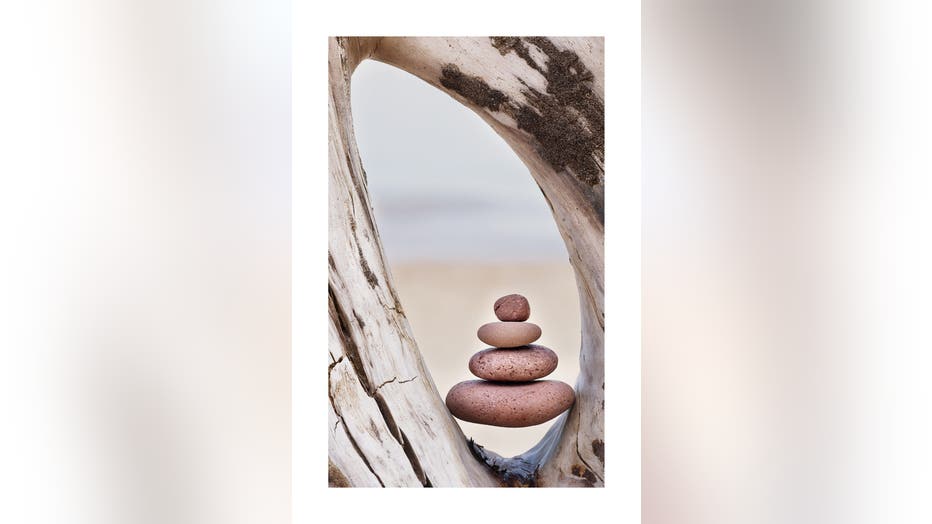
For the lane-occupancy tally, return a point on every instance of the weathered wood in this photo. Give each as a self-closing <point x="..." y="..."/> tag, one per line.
<point x="545" y="97"/>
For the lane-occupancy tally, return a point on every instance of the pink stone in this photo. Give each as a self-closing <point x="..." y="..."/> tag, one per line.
<point x="521" y="364"/>
<point x="509" y="404"/>
<point x="512" y="308"/>
<point x="508" y="334"/>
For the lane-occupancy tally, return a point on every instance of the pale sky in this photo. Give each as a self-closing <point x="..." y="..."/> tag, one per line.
<point x="444" y="186"/>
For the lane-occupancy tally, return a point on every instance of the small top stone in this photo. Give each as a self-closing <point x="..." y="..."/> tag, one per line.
<point x="512" y="308"/>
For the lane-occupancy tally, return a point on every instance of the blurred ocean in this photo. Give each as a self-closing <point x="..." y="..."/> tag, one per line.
<point x="444" y="187"/>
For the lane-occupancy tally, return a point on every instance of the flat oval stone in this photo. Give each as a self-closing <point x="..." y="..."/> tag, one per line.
<point x="514" y="365"/>
<point x="512" y="308"/>
<point x="509" y="404"/>
<point x="508" y="334"/>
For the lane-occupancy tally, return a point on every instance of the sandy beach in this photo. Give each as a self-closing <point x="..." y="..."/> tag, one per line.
<point x="447" y="302"/>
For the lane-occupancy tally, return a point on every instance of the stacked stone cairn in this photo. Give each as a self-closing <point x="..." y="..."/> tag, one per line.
<point x="510" y="393"/>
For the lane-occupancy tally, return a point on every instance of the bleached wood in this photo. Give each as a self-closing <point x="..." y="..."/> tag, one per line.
<point x="510" y="83"/>
<point x="347" y="469"/>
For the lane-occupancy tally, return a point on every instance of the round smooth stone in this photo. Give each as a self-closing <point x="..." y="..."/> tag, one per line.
<point x="509" y="404"/>
<point x="514" y="365"/>
<point x="512" y="308"/>
<point x="508" y="334"/>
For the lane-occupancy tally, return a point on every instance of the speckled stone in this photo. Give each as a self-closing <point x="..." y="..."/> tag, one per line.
<point x="512" y="308"/>
<point x="510" y="405"/>
<point x="508" y="334"/>
<point x="521" y="364"/>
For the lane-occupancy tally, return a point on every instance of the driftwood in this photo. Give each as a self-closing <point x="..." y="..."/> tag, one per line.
<point x="388" y="423"/>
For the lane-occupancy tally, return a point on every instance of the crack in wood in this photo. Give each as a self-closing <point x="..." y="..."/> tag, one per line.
<point x="346" y="430"/>
<point x="393" y="379"/>
<point x="412" y="458"/>
<point x="355" y="360"/>
<point x="388" y="417"/>
<point x="365" y="460"/>
<point x="600" y="317"/>
<point x="338" y="316"/>
<point x="400" y="437"/>
<point x="588" y="473"/>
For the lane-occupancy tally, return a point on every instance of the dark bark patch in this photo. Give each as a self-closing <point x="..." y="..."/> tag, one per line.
<point x="349" y="161"/>
<point x="362" y="325"/>
<point x="336" y="478"/>
<point x="472" y="88"/>
<point x="598" y="448"/>
<point x="505" y="44"/>
<point x="584" y="473"/>
<point x="569" y="119"/>
<point x="375" y="430"/>
<point x="564" y="141"/>
<point x="366" y="270"/>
